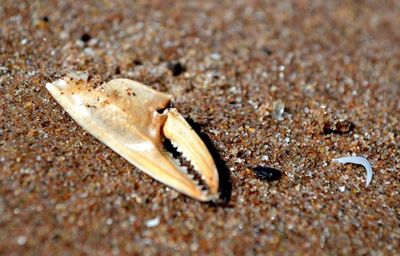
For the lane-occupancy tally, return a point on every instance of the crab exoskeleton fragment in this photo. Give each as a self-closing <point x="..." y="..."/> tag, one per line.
<point x="134" y="120"/>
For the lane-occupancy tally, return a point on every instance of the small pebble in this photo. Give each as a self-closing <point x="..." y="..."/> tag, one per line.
<point x="24" y="41"/>
<point x="89" y="51"/>
<point x="215" y="56"/>
<point x="279" y="108"/>
<point x="267" y="173"/>
<point x="137" y="62"/>
<point x="132" y="218"/>
<point x="266" y="50"/>
<point x="109" y="221"/>
<point x="85" y="38"/>
<point x="153" y="222"/>
<point x="21" y="240"/>
<point x="176" y="68"/>
<point x="63" y="35"/>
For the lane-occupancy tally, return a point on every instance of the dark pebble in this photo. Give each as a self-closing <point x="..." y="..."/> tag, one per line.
<point x="85" y="38"/>
<point x="267" y="173"/>
<point x="176" y="68"/>
<point x="267" y="50"/>
<point x="137" y="62"/>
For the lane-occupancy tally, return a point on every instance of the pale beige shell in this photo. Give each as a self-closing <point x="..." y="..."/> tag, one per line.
<point x="123" y="115"/>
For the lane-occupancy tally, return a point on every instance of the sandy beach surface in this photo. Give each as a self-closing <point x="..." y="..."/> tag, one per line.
<point x="332" y="67"/>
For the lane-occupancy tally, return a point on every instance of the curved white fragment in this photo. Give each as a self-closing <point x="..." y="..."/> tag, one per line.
<point x="358" y="160"/>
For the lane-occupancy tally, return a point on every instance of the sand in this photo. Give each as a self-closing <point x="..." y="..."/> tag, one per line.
<point x="333" y="66"/>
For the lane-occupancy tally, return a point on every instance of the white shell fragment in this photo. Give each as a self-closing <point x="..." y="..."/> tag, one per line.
<point x="279" y="109"/>
<point x="358" y="160"/>
<point x="153" y="222"/>
<point x="133" y="120"/>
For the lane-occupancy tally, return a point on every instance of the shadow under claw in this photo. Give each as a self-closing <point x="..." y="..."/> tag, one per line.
<point x="225" y="185"/>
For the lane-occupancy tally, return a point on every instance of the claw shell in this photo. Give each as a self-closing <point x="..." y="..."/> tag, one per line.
<point x="124" y="115"/>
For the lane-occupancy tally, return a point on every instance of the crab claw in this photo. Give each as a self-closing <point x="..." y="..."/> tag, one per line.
<point x="134" y="121"/>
